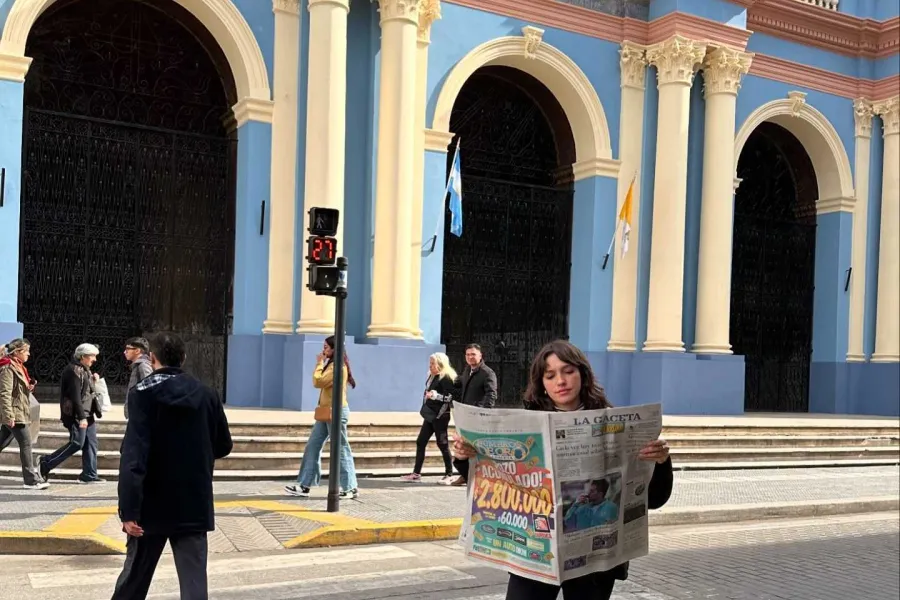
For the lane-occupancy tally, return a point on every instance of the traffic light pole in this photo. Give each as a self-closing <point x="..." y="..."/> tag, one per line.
<point x="337" y="398"/>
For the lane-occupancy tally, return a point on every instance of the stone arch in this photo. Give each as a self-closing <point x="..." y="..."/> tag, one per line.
<point x="821" y="142"/>
<point x="560" y="74"/>
<point x="220" y="17"/>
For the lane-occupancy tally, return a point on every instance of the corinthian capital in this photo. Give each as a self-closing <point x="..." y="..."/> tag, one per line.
<point x="862" y="116"/>
<point x="429" y="12"/>
<point x="889" y="110"/>
<point x="676" y="60"/>
<point x="633" y="63"/>
<point x="723" y="69"/>
<point x="403" y="10"/>
<point x="287" y="6"/>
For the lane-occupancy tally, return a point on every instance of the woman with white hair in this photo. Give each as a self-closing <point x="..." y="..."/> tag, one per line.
<point x="78" y="406"/>
<point x="439" y="392"/>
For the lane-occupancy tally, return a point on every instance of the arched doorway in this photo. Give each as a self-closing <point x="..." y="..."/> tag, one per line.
<point x="506" y="279"/>
<point x="128" y="186"/>
<point x="773" y="266"/>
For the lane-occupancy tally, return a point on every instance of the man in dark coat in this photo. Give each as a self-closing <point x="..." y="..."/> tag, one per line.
<point x="479" y="388"/>
<point x="137" y="352"/>
<point x="176" y="431"/>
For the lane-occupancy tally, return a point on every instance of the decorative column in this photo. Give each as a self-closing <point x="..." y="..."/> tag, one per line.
<point x="633" y="65"/>
<point x="887" y="320"/>
<point x="326" y="107"/>
<point x="722" y="71"/>
<point x="862" y="114"/>
<point x="676" y="61"/>
<point x="429" y="12"/>
<point x="282" y="215"/>
<point x="396" y="164"/>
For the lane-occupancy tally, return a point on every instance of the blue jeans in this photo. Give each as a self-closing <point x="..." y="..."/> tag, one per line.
<point x="311" y="468"/>
<point x="79" y="439"/>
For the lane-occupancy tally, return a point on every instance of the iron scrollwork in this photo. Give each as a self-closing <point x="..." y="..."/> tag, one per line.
<point x="128" y="203"/>
<point x="506" y="280"/>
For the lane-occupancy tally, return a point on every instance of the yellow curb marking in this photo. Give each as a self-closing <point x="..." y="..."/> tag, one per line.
<point x="374" y="533"/>
<point x="81" y="521"/>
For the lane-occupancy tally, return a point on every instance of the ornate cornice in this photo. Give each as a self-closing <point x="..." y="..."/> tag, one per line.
<point x="676" y="60"/>
<point x="429" y="12"/>
<point x="437" y="141"/>
<point x="862" y="117"/>
<point x="633" y="63"/>
<point x="253" y="109"/>
<point x="723" y="69"/>
<point x="794" y="73"/>
<point x="827" y="29"/>
<point x="889" y="111"/>
<point x="533" y="38"/>
<point x="286" y="6"/>
<point x="14" y="68"/>
<point x="798" y="100"/>
<point x="403" y="10"/>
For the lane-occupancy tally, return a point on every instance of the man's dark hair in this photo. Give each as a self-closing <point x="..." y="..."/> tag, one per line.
<point x="602" y="485"/>
<point x="168" y="349"/>
<point x="140" y="343"/>
<point x="473" y="347"/>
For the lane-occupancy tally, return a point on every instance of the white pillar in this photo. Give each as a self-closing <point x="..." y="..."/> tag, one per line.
<point x="887" y="323"/>
<point x="722" y="71"/>
<point x="326" y="107"/>
<point x="395" y="178"/>
<point x="862" y="113"/>
<point x="429" y="11"/>
<point x="633" y="64"/>
<point x="282" y="214"/>
<point x="676" y="61"/>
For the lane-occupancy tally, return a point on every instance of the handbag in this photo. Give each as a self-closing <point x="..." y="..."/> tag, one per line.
<point x="428" y="413"/>
<point x="322" y="414"/>
<point x="101" y="393"/>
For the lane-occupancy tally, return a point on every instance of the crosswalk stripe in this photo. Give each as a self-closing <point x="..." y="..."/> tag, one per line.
<point x="342" y="584"/>
<point x="286" y="560"/>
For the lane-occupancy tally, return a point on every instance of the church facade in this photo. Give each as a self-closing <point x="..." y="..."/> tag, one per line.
<point x="159" y="158"/>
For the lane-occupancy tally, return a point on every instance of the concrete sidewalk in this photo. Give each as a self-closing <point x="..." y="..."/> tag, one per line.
<point x="252" y="516"/>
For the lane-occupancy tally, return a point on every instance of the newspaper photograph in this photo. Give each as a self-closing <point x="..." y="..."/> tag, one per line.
<point x="555" y="496"/>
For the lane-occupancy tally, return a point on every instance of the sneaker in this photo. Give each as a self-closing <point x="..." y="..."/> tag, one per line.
<point x="42" y="467"/>
<point x="40" y="485"/>
<point x="412" y="477"/>
<point x="446" y="480"/>
<point x="459" y="482"/>
<point x="89" y="481"/>
<point x="296" y="490"/>
<point x="350" y="495"/>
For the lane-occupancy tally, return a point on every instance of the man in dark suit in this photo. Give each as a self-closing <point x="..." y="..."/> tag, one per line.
<point x="479" y="388"/>
<point x="176" y="431"/>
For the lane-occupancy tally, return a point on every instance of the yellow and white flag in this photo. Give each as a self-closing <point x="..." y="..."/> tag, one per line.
<point x="625" y="218"/>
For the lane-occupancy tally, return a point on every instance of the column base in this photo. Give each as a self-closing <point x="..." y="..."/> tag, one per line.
<point x="712" y="349"/>
<point x="662" y="346"/>
<point x="284" y="327"/>
<point x="885" y="358"/>
<point x="856" y="358"/>
<point x="316" y="327"/>
<point x="390" y="331"/>
<point x="617" y="346"/>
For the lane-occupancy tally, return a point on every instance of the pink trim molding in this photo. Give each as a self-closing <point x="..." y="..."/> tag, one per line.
<point x="787" y="71"/>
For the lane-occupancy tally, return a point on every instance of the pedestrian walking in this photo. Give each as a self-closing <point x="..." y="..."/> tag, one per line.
<point x="176" y="432"/>
<point x="79" y="407"/>
<point x="16" y="386"/>
<point x="479" y="388"/>
<point x="440" y="389"/>
<point x="311" y="465"/>
<point x="562" y="380"/>
<point x="137" y="352"/>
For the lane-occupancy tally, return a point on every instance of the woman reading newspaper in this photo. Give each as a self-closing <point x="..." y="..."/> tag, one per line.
<point x="561" y="380"/>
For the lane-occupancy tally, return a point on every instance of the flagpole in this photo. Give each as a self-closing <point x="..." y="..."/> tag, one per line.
<point x="612" y="242"/>
<point x="437" y="225"/>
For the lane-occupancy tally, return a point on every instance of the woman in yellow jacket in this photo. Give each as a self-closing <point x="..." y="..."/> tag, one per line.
<point x="311" y="467"/>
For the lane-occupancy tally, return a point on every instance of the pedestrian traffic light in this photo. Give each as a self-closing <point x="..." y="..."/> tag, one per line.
<point x="321" y="251"/>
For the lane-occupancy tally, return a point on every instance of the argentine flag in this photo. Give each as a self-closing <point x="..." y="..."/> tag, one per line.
<point x="454" y="188"/>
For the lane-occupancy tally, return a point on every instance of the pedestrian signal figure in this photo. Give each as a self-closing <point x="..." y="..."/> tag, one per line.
<point x="176" y="431"/>
<point x="440" y="389"/>
<point x="562" y="380"/>
<point x="15" y="409"/>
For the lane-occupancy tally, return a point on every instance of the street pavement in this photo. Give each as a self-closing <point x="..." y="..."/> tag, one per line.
<point x="257" y="516"/>
<point x="849" y="557"/>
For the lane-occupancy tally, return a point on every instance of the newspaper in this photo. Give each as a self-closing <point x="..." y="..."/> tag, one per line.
<point x="555" y="496"/>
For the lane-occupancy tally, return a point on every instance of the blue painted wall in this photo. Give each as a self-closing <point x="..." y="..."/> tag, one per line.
<point x="715" y="10"/>
<point x="645" y="224"/>
<point x="873" y="233"/>
<point x="696" y="131"/>
<point x="261" y="19"/>
<point x="10" y="159"/>
<point x="590" y="287"/>
<point x="434" y="212"/>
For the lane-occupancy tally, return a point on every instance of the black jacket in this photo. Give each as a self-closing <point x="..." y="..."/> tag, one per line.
<point x="479" y="386"/>
<point x="176" y="431"/>
<point x="77" y="401"/>
<point x="447" y="389"/>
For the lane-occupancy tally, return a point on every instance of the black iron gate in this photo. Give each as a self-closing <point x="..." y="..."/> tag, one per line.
<point x="506" y="280"/>
<point x="773" y="268"/>
<point x="128" y="191"/>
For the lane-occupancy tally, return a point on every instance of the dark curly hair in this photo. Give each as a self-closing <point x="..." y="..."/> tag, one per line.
<point x="591" y="393"/>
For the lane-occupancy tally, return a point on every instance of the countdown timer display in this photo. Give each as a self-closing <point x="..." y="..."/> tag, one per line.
<point x="321" y="250"/>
